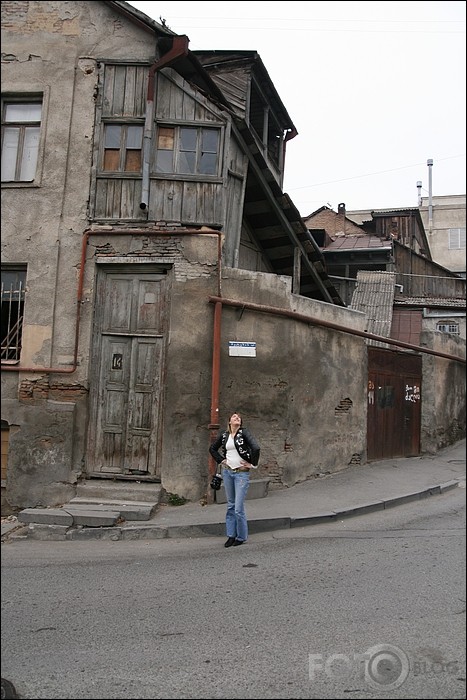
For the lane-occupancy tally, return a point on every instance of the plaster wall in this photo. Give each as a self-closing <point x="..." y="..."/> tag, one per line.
<point x="443" y="391"/>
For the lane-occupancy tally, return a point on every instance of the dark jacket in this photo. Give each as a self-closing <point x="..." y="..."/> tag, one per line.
<point x="246" y="445"/>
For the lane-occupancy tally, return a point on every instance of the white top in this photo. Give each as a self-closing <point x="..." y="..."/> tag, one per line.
<point x="233" y="458"/>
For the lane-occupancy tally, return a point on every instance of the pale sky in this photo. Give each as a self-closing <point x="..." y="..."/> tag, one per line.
<point x="374" y="89"/>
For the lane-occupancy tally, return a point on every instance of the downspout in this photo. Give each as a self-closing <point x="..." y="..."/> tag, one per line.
<point x="179" y="49"/>
<point x="335" y="326"/>
<point x="215" y="384"/>
<point x="216" y="343"/>
<point x="430" y="197"/>
<point x="79" y="296"/>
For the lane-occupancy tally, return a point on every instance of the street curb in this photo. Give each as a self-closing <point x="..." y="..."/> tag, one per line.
<point x="143" y="531"/>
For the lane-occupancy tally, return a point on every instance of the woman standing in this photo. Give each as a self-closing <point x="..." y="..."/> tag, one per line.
<point x="237" y="451"/>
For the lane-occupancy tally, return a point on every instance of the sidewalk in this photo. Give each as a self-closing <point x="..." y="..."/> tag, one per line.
<point x="352" y="491"/>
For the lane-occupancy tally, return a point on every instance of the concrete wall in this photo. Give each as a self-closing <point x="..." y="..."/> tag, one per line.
<point x="289" y="394"/>
<point x="443" y="391"/>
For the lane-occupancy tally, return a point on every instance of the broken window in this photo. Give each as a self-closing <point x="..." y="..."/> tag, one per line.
<point x="187" y="150"/>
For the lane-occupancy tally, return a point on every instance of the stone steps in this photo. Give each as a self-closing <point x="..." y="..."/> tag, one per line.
<point x="119" y="491"/>
<point x="130" y="510"/>
<point x="88" y="517"/>
<point x="99" y="506"/>
<point x="103" y="504"/>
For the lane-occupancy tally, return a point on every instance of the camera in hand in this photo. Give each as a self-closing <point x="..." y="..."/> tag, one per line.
<point x="216" y="482"/>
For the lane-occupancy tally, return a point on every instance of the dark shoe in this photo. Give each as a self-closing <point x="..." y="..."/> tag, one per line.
<point x="237" y="543"/>
<point x="230" y="542"/>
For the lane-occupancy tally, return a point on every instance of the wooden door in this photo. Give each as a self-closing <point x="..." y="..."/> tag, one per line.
<point x="394" y="404"/>
<point x="126" y="390"/>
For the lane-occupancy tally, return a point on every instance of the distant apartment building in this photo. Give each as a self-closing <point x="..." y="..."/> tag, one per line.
<point x="445" y="230"/>
<point x="445" y="235"/>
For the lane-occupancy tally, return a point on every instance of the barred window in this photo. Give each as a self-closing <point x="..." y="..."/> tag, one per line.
<point x="13" y="292"/>
<point x="21" y="125"/>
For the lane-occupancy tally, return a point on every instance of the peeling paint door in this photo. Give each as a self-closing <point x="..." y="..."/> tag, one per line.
<point x="394" y="404"/>
<point x="128" y="356"/>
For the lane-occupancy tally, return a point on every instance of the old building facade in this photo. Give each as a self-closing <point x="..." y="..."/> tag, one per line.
<point x="154" y="275"/>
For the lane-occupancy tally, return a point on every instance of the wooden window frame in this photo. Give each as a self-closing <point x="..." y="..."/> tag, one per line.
<point x="449" y="327"/>
<point x="177" y="168"/>
<point x="123" y="149"/>
<point x="24" y="128"/>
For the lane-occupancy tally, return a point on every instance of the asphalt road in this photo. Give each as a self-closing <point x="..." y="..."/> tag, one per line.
<point x="371" y="607"/>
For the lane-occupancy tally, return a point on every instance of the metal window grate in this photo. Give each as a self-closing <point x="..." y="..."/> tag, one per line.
<point x="12" y="319"/>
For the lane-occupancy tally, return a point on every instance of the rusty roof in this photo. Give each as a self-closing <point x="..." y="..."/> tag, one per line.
<point x="362" y="242"/>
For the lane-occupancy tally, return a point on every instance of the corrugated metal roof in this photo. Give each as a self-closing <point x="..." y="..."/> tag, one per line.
<point x="374" y="296"/>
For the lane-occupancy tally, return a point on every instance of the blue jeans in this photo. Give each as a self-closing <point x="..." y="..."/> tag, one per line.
<point x="236" y="486"/>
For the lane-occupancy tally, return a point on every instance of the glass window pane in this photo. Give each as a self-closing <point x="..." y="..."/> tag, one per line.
<point x="187" y="162"/>
<point x="208" y="164"/>
<point x="9" y="153"/>
<point x="188" y="139"/>
<point x="23" y="112"/>
<point x="210" y="140"/>
<point x="134" y="137"/>
<point x="30" y="153"/>
<point x="13" y="283"/>
<point x="164" y="162"/>
<point x="112" y="136"/>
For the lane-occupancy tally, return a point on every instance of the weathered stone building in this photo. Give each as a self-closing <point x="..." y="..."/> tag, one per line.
<point x="154" y="275"/>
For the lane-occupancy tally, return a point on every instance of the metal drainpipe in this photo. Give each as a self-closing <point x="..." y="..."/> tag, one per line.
<point x="335" y="326"/>
<point x="179" y="49"/>
<point x="216" y="343"/>
<point x="430" y="195"/>
<point x="215" y="383"/>
<point x="125" y="232"/>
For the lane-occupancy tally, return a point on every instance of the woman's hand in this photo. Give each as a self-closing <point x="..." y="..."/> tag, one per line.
<point x="245" y="464"/>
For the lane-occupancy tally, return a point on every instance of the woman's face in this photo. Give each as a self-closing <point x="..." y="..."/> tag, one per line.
<point x="235" y="420"/>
